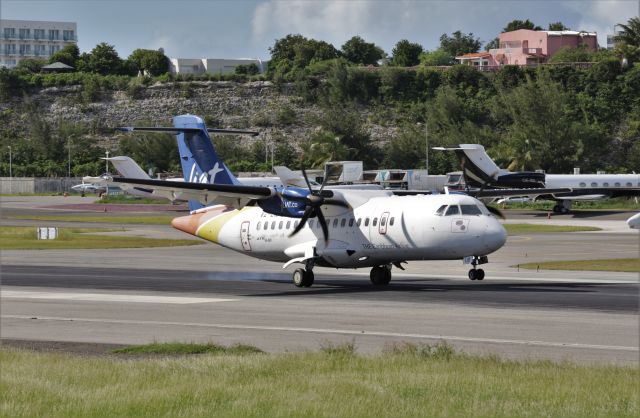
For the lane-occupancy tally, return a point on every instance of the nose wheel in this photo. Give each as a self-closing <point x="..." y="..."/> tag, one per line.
<point x="476" y="273"/>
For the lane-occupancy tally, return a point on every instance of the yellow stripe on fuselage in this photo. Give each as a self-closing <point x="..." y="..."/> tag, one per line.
<point x="210" y="230"/>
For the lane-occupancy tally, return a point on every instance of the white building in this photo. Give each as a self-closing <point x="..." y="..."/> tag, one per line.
<point x="210" y="65"/>
<point x="21" y="39"/>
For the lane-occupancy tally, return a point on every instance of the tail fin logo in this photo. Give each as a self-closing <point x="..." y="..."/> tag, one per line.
<point x="210" y="177"/>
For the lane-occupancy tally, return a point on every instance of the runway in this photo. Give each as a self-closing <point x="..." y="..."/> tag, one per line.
<point x="207" y="293"/>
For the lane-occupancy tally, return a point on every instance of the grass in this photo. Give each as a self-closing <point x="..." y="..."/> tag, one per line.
<point x="24" y="238"/>
<point x="141" y="220"/>
<point x="619" y="203"/>
<point x="614" y="264"/>
<point x="534" y="228"/>
<point x="178" y="348"/>
<point x="126" y="199"/>
<point x="405" y="381"/>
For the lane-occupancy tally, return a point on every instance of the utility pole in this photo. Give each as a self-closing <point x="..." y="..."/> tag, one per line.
<point x="69" y="157"/>
<point x="426" y="144"/>
<point x="10" y="172"/>
<point x="107" y="162"/>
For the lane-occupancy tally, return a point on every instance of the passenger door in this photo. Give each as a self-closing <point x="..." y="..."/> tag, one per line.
<point x="244" y="236"/>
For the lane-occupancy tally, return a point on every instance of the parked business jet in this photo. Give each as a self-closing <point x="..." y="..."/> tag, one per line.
<point x="480" y="171"/>
<point x="346" y="228"/>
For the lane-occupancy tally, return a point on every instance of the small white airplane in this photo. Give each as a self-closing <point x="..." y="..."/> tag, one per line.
<point x="346" y="228"/>
<point x="480" y="171"/>
<point x="634" y="221"/>
<point x="88" y="187"/>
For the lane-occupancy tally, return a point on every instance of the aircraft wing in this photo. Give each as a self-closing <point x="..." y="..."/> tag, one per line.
<point x="516" y="192"/>
<point x="172" y="130"/>
<point x="236" y="196"/>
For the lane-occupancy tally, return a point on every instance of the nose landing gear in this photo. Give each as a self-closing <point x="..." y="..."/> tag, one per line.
<point x="476" y="273"/>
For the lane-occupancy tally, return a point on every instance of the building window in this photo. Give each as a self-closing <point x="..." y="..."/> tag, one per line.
<point x="68" y="35"/>
<point x="54" y="34"/>
<point x="9" y="33"/>
<point x="24" y="33"/>
<point x="38" y="34"/>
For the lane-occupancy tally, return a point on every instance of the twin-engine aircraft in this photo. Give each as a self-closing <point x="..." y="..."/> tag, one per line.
<point x="316" y="226"/>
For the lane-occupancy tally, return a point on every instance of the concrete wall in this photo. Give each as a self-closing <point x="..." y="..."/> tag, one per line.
<point x="37" y="184"/>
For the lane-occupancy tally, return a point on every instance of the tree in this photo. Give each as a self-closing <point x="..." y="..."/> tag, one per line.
<point x="149" y="60"/>
<point x="406" y="54"/>
<point x="628" y="40"/>
<point x="249" y="69"/>
<point x="68" y="55"/>
<point x="459" y="43"/>
<point x="492" y="44"/>
<point x="33" y="65"/>
<point x="357" y="51"/>
<point x="520" y="24"/>
<point x="436" y="57"/>
<point x="102" y="59"/>
<point x="296" y="52"/>
<point x="557" y="26"/>
<point x="571" y="54"/>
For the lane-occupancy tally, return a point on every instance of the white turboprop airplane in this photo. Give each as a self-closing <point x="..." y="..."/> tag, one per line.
<point x="480" y="171"/>
<point x="346" y="228"/>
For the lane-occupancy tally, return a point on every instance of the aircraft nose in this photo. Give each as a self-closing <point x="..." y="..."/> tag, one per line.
<point x="496" y="235"/>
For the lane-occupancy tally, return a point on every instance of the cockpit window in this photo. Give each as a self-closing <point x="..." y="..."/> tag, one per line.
<point x="470" y="210"/>
<point x="440" y="210"/>
<point x="452" y="210"/>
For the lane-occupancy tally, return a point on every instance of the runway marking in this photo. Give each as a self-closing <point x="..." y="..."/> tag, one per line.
<point x="399" y="276"/>
<point x="108" y="297"/>
<point x="334" y="331"/>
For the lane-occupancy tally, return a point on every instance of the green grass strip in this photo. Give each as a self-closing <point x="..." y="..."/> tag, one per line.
<point x="178" y="348"/>
<point x="535" y="228"/>
<point x="403" y="382"/>
<point x="614" y="264"/>
<point x="25" y="238"/>
<point x="124" y="199"/>
<point x="140" y="220"/>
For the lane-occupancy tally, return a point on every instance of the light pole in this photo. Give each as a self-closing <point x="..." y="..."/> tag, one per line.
<point x="107" y="163"/>
<point x="69" y="157"/>
<point x="426" y="145"/>
<point x="10" y="171"/>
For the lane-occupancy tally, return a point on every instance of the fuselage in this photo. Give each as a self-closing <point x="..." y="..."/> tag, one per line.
<point x="594" y="186"/>
<point x="380" y="230"/>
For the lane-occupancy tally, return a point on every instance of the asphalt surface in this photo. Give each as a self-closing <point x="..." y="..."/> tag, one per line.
<point x="208" y="293"/>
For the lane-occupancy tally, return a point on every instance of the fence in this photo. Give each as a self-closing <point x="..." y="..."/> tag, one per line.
<point x="30" y="185"/>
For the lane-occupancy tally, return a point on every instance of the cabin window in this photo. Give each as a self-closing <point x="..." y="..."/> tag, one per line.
<point x="629" y="185"/>
<point x="594" y="184"/>
<point x="343" y="222"/>
<point x="605" y="184"/>
<point x="273" y="225"/>
<point x="383" y="221"/>
<point x="266" y="226"/>
<point x="391" y="221"/>
<point x="470" y="210"/>
<point x="258" y="226"/>
<point x="351" y="222"/>
<point x="335" y="223"/>
<point x="583" y="184"/>
<point x="280" y="225"/>
<point x="366" y="221"/>
<point x="452" y="210"/>
<point x="441" y="210"/>
<point x="288" y="224"/>
<point x="359" y="221"/>
<point x="375" y="221"/>
<point x="617" y="184"/>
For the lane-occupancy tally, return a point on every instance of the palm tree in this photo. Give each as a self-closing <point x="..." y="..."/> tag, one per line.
<point x="628" y="40"/>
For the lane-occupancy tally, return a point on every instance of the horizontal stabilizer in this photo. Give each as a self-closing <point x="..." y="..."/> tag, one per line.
<point x="175" y="130"/>
<point x="516" y="192"/>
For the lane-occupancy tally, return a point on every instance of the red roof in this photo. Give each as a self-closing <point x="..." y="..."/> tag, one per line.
<point x="474" y="55"/>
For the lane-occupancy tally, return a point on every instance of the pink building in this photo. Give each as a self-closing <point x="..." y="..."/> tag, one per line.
<point x="529" y="47"/>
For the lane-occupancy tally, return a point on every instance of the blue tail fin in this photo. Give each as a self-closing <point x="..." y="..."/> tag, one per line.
<point x="198" y="157"/>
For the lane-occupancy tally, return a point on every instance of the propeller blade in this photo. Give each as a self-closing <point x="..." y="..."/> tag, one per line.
<point x="323" y="224"/>
<point x="336" y="202"/>
<point x="496" y="211"/>
<point x="303" y="221"/>
<point x="306" y="179"/>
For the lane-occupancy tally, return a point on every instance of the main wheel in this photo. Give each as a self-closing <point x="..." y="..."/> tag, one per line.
<point x="479" y="274"/>
<point x="308" y="278"/>
<point x="380" y="275"/>
<point x="303" y="278"/>
<point x="473" y="274"/>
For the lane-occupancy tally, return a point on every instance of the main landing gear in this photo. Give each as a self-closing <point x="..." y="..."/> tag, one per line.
<point x="476" y="273"/>
<point x="563" y="206"/>
<point x="380" y="275"/>
<point x="304" y="277"/>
